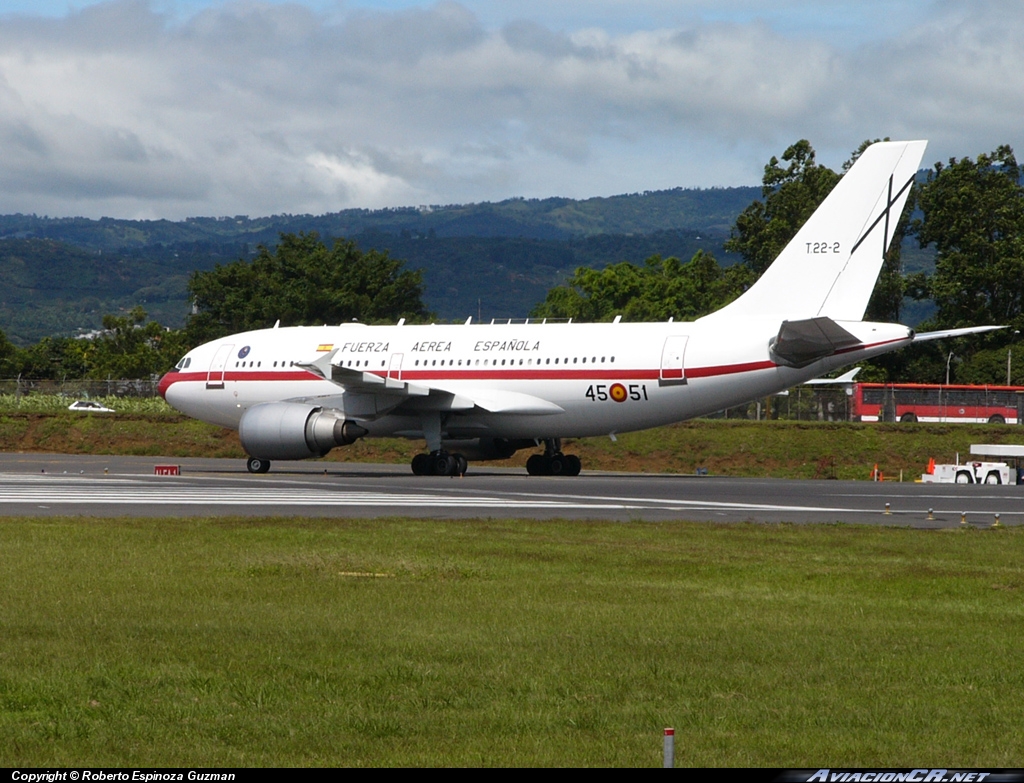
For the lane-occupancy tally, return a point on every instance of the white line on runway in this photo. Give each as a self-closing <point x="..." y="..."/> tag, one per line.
<point x="136" y="493"/>
<point x="71" y="489"/>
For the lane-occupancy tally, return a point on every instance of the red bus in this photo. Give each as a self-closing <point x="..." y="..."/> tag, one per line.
<point x="927" y="402"/>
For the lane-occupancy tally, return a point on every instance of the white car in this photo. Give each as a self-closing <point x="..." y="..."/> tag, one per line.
<point x="88" y="406"/>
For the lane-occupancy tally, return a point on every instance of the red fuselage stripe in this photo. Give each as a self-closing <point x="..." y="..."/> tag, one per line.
<point x="454" y="374"/>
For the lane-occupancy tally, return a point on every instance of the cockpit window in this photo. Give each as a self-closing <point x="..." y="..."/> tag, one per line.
<point x="184" y="363"/>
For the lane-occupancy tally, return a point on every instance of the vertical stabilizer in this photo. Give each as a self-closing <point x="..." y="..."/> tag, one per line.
<point x="830" y="267"/>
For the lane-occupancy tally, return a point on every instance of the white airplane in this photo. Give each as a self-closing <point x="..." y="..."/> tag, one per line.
<point x="484" y="391"/>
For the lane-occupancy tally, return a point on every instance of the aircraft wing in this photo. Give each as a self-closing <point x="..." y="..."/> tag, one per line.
<point x="420" y="397"/>
<point x="925" y="336"/>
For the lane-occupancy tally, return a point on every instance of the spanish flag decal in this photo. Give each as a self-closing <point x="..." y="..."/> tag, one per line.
<point x="325" y="347"/>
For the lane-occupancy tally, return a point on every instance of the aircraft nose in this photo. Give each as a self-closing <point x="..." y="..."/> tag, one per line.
<point x="165" y="383"/>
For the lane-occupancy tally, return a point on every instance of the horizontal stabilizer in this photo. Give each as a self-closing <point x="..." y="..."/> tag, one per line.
<point x="925" y="336"/>
<point x="843" y="379"/>
<point x="800" y="343"/>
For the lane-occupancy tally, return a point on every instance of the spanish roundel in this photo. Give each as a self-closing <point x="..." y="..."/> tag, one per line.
<point x="618" y="392"/>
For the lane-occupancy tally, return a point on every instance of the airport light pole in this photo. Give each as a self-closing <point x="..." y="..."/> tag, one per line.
<point x="1009" y="355"/>
<point x="948" y="360"/>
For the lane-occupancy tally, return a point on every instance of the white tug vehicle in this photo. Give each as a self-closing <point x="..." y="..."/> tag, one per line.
<point x="977" y="471"/>
<point x="968" y="473"/>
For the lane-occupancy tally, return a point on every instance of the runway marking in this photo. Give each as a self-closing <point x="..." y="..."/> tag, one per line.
<point x="683" y="505"/>
<point x="67" y="489"/>
<point x="71" y="490"/>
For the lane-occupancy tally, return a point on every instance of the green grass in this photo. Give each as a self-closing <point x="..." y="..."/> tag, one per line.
<point x="396" y="642"/>
<point x="58" y="404"/>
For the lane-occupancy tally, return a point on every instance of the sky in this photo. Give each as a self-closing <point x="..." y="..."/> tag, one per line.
<point x="179" y="108"/>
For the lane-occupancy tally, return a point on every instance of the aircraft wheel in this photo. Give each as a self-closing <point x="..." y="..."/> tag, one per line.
<point x="442" y="464"/>
<point x="963" y="477"/>
<point x="421" y="465"/>
<point x="461" y="464"/>
<point x="556" y="465"/>
<point x="573" y="465"/>
<point x="535" y="465"/>
<point x="257" y="465"/>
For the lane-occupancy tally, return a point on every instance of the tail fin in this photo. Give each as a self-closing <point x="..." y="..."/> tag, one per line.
<point x="830" y="267"/>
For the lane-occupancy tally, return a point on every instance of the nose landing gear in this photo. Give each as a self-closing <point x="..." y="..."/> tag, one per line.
<point x="257" y="465"/>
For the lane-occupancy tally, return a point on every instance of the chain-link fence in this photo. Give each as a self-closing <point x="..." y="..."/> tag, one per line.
<point x="119" y="387"/>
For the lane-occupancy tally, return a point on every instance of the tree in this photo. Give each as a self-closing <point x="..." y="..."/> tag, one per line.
<point x="54" y="358"/>
<point x="973" y="212"/>
<point x="303" y="282"/>
<point x="129" y="347"/>
<point x="9" y="365"/>
<point x="656" y="291"/>
<point x="791" y="195"/>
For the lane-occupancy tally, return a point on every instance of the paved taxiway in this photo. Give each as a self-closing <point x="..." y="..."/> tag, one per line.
<point x="51" y="484"/>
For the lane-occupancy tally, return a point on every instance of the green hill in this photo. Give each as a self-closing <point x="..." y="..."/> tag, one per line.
<point x="60" y="275"/>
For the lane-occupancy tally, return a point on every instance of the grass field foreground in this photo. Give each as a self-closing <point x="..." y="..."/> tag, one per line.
<point x="502" y="642"/>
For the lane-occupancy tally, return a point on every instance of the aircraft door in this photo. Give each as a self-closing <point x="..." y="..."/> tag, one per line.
<point x="215" y="375"/>
<point x="672" y="369"/>
<point x="395" y="367"/>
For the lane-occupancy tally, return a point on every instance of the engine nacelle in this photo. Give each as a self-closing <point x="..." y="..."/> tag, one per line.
<point x="294" y="430"/>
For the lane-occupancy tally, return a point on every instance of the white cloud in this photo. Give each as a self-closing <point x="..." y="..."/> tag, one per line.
<point x="250" y="108"/>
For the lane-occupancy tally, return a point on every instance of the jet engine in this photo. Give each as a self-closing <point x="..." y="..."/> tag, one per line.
<point x="294" y="430"/>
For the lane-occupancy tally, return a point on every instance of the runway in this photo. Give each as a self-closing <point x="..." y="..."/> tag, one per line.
<point x="49" y="484"/>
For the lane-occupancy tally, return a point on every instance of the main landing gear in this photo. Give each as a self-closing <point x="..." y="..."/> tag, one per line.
<point x="439" y="463"/>
<point x="257" y="465"/>
<point x="553" y="462"/>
